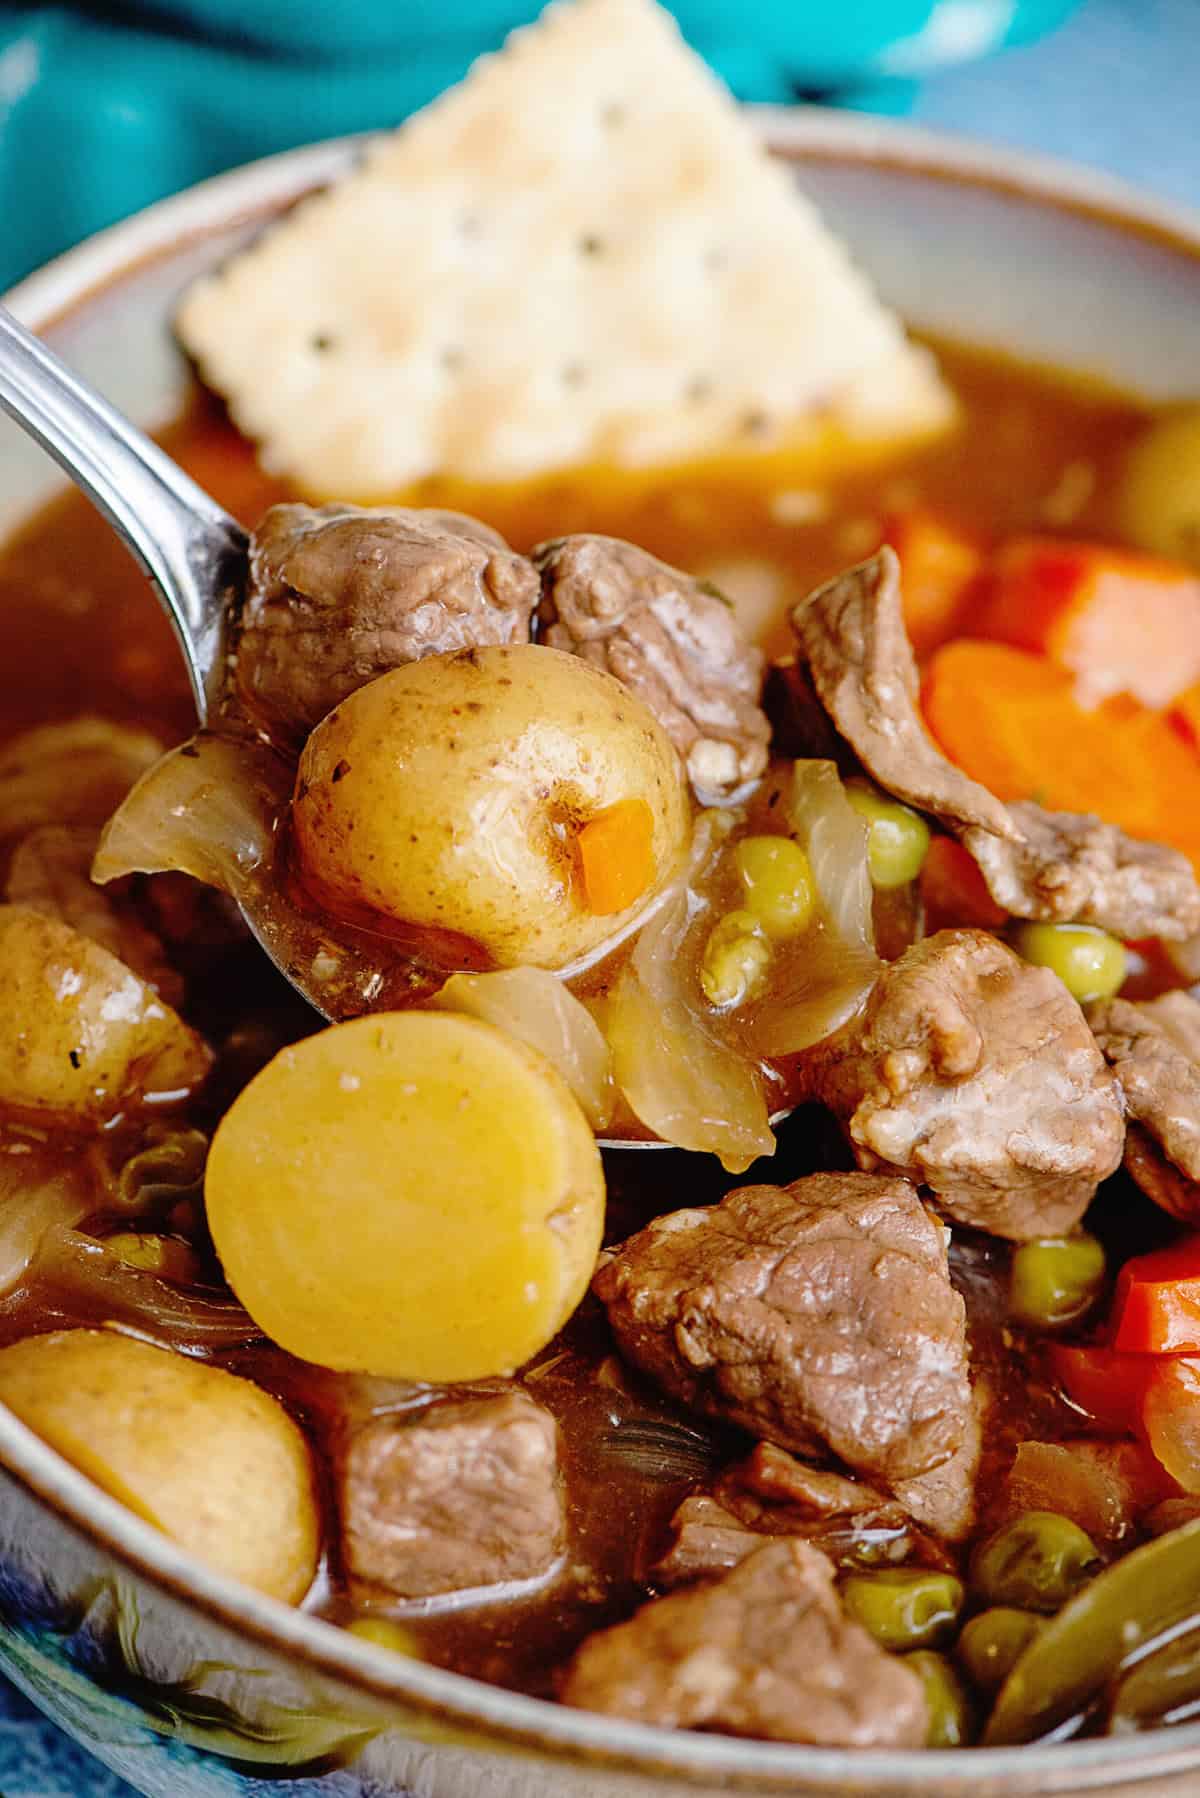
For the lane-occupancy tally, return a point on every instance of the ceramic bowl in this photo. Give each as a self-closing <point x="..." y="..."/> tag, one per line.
<point x="193" y="1687"/>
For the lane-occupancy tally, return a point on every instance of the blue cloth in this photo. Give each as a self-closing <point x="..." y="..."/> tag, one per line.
<point x="1115" y="87"/>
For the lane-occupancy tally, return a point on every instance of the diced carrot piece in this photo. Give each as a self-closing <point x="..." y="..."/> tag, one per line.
<point x="938" y="564"/>
<point x="1121" y="622"/>
<point x="1013" y="721"/>
<point x="616" y="856"/>
<point x="1110" y="1387"/>
<point x="1156" y="1307"/>
<point x="1185" y="714"/>
<point x="954" y="891"/>
<point x="1171" y="1418"/>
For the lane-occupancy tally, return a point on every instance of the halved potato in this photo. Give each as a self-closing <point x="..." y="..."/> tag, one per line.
<point x="211" y="1460"/>
<point x="413" y="1194"/>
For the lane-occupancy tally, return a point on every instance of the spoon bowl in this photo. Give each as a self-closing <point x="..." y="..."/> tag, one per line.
<point x="196" y="556"/>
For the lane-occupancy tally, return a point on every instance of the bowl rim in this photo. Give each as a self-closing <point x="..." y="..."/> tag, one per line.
<point x="440" y="1704"/>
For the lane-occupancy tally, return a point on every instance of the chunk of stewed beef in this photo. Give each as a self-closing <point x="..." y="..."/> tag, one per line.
<point x="819" y="1316"/>
<point x="852" y="640"/>
<point x="1153" y="1047"/>
<point x="468" y="1494"/>
<point x="975" y="1073"/>
<point x="765" y="1650"/>
<point x="1068" y="866"/>
<point x="339" y="594"/>
<point x="673" y="640"/>
<point x="771" y="1493"/>
<point x="855" y="670"/>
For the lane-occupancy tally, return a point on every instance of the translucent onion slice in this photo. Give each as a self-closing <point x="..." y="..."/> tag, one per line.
<point x="823" y="978"/>
<point x="685" y="1084"/>
<point x="206" y="809"/>
<point x="39" y="1191"/>
<point x="533" y="1005"/>
<point x="81" y="1281"/>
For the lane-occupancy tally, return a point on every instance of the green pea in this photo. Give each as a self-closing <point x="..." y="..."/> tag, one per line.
<point x="1036" y="1562"/>
<point x="735" y="960"/>
<point x="778" y="883"/>
<point x="1163" y="1687"/>
<point x="1055" y="1280"/>
<point x="993" y="1642"/>
<point x="1089" y="962"/>
<point x="904" y="1607"/>
<point x="897" y="837"/>
<point x="949" y="1707"/>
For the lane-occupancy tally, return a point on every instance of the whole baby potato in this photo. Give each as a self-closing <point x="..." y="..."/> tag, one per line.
<point x="82" y="1037"/>
<point x="206" y="1457"/>
<point x="450" y="794"/>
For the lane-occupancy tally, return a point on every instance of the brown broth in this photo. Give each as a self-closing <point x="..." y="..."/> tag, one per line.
<point x="79" y="631"/>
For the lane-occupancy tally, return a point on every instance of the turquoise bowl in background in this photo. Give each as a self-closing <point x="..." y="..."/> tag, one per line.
<point x="99" y="116"/>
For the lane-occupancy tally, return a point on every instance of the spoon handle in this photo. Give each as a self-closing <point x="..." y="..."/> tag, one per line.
<point x="194" y="552"/>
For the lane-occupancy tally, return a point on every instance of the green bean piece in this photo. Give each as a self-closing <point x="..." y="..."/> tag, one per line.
<point x="1083" y="1650"/>
<point x="904" y="1607"/>
<point x="1055" y="1280"/>
<point x="1035" y="1563"/>
<point x="949" y="1707"/>
<point x="992" y="1643"/>
<point x="1164" y="1688"/>
<point x="778" y="883"/>
<point x="897" y="837"/>
<point x="1089" y="962"/>
<point x="736" y="957"/>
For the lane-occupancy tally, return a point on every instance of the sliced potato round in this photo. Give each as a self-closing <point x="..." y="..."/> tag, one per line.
<point x="449" y="795"/>
<point x="81" y="1036"/>
<point x="412" y="1194"/>
<point x="211" y="1460"/>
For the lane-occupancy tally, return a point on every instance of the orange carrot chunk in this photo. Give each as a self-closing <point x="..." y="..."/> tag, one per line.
<point x="1013" y="721"/>
<point x="954" y="892"/>
<point x="938" y="564"/>
<point x="1171" y="1418"/>
<point x="1122" y="623"/>
<point x="1185" y="714"/>
<point x="1156" y="1307"/>
<point x="616" y="856"/>
<point x="1108" y="1386"/>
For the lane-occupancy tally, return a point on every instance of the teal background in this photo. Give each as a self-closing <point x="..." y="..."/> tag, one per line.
<point x="103" y="112"/>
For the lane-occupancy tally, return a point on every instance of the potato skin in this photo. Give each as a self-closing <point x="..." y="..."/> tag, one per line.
<point x="82" y="1037"/>
<point x="446" y="795"/>
<point x="208" y="1458"/>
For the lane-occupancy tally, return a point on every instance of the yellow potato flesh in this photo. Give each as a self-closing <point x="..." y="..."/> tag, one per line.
<point x="81" y="1036"/>
<point x="209" y="1459"/>
<point x="1158" y="499"/>
<point x="409" y="1194"/>
<point x="448" y="795"/>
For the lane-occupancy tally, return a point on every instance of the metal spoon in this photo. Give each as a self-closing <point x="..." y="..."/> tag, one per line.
<point x="194" y="553"/>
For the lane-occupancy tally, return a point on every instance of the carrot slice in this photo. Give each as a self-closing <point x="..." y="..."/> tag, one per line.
<point x="1156" y="1307"/>
<point x="616" y="856"/>
<point x="1012" y="721"/>
<point x="1185" y="714"/>
<point x="1119" y="621"/>
<point x="938" y="564"/>
<point x="1109" y="1386"/>
<point x="1171" y="1418"/>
